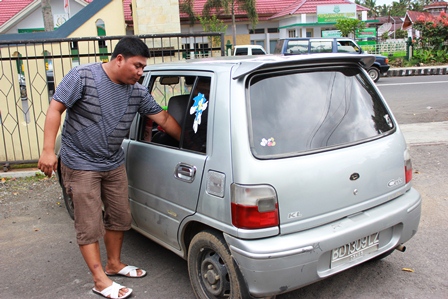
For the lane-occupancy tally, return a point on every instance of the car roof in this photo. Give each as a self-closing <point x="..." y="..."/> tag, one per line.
<point x="243" y="65"/>
<point x="249" y="46"/>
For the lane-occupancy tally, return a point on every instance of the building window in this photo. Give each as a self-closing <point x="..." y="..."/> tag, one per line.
<point x="292" y="33"/>
<point x="256" y="31"/>
<point x="273" y="30"/>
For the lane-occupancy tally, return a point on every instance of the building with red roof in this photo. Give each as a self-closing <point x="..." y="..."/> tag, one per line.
<point x="276" y="18"/>
<point x="431" y="11"/>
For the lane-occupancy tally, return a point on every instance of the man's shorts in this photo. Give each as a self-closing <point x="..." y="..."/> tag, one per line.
<point x="90" y="190"/>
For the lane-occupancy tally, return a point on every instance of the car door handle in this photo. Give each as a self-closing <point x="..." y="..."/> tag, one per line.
<point x="185" y="172"/>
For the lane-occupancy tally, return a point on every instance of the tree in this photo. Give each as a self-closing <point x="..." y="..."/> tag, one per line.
<point x="399" y="8"/>
<point x="186" y="6"/>
<point x="47" y="15"/>
<point x="231" y="7"/>
<point x="433" y="31"/>
<point x="212" y="24"/>
<point x="434" y="38"/>
<point x="347" y="26"/>
<point x="371" y="4"/>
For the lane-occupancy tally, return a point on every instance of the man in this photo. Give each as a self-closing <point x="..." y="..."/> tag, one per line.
<point x="101" y="101"/>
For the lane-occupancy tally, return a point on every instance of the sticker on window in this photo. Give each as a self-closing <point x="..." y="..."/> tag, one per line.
<point x="199" y="106"/>
<point x="267" y="142"/>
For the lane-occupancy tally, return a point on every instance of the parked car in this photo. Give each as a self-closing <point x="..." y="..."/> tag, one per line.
<point x="290" y="169"/>
<point x="249" y="50"/>
<point x="299" y="45"/>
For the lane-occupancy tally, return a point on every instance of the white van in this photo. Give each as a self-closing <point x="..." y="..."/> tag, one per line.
<point x="249" y="50"/>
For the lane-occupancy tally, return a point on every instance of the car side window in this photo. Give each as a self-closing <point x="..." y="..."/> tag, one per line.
<point x="186" y="99"/>
<point x="298" y="47"/>
<point x="257" y="52"/>
<point x="196" y="121"/>
<point x="347" y="47"/>
<point x="321" y="46"/>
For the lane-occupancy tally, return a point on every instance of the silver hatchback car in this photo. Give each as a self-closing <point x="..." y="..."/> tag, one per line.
<point x="289" y="170"/>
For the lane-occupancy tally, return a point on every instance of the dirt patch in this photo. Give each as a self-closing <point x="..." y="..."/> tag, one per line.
<point x="26" y="196"/>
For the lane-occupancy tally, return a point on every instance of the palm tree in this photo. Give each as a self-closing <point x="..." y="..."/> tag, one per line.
<point x="47" y="15"/>
<point x="371" y="4"/>
<point x="230" y="7"/>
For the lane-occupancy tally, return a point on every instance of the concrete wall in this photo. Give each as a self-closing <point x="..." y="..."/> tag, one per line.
<point x="156" y="17"/>
<point x="109" y="14"/>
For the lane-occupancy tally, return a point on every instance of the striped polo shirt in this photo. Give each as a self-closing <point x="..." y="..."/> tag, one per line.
<point x="98" y="117"/>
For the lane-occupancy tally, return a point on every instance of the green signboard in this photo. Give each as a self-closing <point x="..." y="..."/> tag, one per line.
<point x="331" y="33"/>
<point x="332" y="13"/>
<point x="366" y="33"/>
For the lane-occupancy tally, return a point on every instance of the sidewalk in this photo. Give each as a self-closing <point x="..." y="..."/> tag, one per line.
<point x="417" y="71"/>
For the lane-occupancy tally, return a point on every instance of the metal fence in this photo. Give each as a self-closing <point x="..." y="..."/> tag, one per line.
<point x="30" y="70"/>
<point x="388" y="48"/>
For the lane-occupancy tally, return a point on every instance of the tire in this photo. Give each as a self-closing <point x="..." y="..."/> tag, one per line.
<point x="212" y="270"/>
<point x="374" y="73"/>
<point x="68" y="203"/>
<point x="67" y="199"/>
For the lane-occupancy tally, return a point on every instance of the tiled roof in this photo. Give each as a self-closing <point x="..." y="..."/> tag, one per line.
<point x="65" y="29"/>
<point x="310" y="7"/>
<point x="127" y="11"/>
<point x="277" y="8"/>
<point x="412" y="16"/>
<point x="9" y="8"/>
<point x="436" y="4"/>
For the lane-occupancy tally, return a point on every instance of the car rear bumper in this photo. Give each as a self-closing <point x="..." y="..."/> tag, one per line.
<point x="283" y="263"/>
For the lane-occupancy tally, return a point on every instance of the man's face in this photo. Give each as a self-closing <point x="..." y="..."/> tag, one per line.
<point x="131" y="69"/>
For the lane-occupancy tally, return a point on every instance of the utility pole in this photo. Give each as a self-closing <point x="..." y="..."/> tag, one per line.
<point x="47" y="15"/>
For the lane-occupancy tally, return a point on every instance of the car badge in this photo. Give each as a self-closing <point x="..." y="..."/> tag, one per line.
<point x="354" y="176"/>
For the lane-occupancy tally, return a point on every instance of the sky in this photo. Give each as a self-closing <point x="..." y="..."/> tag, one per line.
<point x="381" y="2"/>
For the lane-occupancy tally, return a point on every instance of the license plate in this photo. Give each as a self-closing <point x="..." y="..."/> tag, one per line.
<point x="354" y="250"/>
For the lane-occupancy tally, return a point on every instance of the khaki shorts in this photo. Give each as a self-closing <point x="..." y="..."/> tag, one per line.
<point x="90" y="190"/>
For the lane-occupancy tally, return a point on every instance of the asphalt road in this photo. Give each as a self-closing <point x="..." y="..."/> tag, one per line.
<point x="39" y="257"/>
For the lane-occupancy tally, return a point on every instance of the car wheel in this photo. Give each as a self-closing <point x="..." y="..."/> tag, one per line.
<point x="374" y="73"/>
<point x="212" y="270"/>
<point x="67" y="199"/>
<point x="68" y="203"/>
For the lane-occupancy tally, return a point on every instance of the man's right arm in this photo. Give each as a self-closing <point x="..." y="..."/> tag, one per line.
<point x="48" y="161"/>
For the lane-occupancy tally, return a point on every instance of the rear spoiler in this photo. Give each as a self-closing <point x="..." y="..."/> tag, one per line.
<point x="247" y="66"/>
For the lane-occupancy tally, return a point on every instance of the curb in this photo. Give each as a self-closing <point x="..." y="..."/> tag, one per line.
<point x="417" y="71"/>
<point x="20" y="173"/>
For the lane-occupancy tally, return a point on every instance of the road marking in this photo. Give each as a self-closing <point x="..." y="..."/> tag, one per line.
<point x="412" y="83"/>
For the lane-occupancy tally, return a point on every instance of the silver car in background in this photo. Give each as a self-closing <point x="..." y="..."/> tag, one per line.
<point x="290" y="169"/>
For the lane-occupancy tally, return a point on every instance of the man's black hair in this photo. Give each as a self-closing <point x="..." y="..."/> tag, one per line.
<point x="131" y="46"/>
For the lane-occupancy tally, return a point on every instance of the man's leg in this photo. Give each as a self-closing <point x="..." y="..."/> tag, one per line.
<point x="117" y="216"/>
<point x="91" y="254"/>
<point x="84" y="188"/>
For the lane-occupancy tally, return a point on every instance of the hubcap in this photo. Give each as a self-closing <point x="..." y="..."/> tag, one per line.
<point x="214" y="275"/>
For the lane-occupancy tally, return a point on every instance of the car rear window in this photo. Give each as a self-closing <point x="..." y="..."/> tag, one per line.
<point x="241" y="51"/>
<point x="301" y="112"/>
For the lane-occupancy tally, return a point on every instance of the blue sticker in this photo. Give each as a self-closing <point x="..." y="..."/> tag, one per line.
<point x="199" y="106"/>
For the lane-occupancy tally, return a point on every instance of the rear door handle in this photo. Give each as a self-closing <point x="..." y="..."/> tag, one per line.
<point x="185" y="172"/>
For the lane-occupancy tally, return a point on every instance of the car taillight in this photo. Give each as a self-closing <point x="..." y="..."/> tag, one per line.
<point x="254" y="206"/>
<point x="386" y="60"/>
<point x="407" y="166"/>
